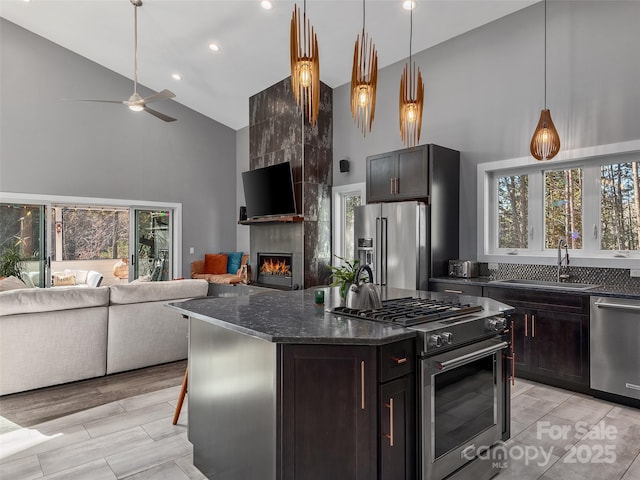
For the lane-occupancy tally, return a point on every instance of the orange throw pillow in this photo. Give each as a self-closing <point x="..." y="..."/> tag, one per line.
<point x="215" y="263"/>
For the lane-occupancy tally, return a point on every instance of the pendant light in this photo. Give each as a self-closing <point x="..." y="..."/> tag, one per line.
<point x="364" y="78"/>
<point x="545" y="143"/>
<point x="411" y="98"/>
<point x="305" y="65"/>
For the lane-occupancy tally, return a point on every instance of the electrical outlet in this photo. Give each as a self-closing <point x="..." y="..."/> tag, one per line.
<point x="493" y="266"/>
<point x="192" y="250"/>
<point x="634" y="272"/>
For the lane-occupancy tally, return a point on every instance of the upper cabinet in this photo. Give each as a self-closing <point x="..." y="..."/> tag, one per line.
<point x="404" y="174"/>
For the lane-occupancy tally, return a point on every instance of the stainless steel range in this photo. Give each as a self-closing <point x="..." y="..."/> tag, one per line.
<point x="464" y="365"/>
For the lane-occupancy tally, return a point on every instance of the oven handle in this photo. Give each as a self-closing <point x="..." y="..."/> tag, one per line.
<point x="470" y="357"/>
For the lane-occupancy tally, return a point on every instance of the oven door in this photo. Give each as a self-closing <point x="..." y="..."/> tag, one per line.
<point x="462" y="405"/>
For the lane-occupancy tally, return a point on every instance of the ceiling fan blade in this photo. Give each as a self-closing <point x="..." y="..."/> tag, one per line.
<point x="93" y="100"/>
<point x="161" y="116"/>
<point x="164" y="94"/>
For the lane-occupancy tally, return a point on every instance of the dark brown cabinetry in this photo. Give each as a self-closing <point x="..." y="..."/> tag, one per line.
<point x="551" y="335"/>
<point x="341" y="408"/>
<point x="404" y="174"/>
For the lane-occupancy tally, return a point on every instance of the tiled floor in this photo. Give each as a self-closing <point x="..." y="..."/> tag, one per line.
<point x="133" y="438"/>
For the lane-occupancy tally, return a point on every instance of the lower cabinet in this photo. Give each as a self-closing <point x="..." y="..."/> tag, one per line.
<point x="339" y="420"/>
<point x="551" y="336"/>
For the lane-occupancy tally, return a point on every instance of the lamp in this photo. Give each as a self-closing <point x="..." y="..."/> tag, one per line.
<point x="545" y="143"/>
<point x="411" y="99"/>
<point x="364" y="78"/>
<point x="305" y="65"/>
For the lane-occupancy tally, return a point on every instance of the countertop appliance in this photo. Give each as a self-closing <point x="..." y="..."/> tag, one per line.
<point x="614" y="357"/>
<point x="463" y="268"/>
<point x="464" y="365"/>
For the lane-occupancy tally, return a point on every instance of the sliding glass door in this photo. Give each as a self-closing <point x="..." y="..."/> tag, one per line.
<point x="23" y="237"/>
<point x="152" y="255"/>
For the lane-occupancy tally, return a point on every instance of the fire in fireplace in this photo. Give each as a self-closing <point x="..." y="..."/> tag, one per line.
<point x="275" y="269"/>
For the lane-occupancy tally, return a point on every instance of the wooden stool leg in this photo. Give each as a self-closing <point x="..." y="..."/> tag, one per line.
<point x="183" y="392"/>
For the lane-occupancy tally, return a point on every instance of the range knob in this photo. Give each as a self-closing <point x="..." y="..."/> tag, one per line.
<point x="435" y="340"/>
<point x="497" y="324"/>
<point x="447" y="338"/>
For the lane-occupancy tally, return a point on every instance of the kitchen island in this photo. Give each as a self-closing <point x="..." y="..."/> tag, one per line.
<point x="280" y="388"/>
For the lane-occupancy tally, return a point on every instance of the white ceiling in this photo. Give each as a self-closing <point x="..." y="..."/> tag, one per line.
<point x="173" y="36"/>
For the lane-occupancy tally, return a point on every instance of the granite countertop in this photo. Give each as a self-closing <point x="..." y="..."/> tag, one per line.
<point x="620" y="291"/>
<point x="294" y="317"/>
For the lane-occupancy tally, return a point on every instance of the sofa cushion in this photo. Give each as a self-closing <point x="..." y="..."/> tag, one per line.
<point x="64" y="279"/>
<point x="226" y="278"/>
<point x="33" y="300"/>
<point x="233" y="264"/>
<point x="156" y="291"/>
<point x="11" y="283"/>
<point x="215" y="263"/>
<point x="81" y="275"/>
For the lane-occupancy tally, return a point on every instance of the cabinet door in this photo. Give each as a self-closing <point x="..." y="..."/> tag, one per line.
<point x="456" y="288"/>
<point x="381" y="174"/>
<point x="413" y="173"/>
<point x="521" y="339"/>
<point x="328" y="414"/>
<point x="397" y="429"/>
<point x="560" y="345"/>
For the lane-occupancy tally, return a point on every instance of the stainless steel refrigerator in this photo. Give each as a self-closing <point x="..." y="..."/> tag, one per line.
<point x="393" y="239"/>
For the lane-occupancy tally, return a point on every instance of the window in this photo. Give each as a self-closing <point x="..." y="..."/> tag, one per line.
<point x="590" y="198"/>
<point x="563" y="207"/>
<point x="345" y="199"/>
<point x="92" y="233"/>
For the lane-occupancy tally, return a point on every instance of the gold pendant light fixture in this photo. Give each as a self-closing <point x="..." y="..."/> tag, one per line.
<point x="305" y="65"/>
<point x="411" y="99"/>
<point x="545" y="143"/>
<point x="364" y="78"/>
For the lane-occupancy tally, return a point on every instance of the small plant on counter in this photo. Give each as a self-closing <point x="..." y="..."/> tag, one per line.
<point x="344" y="275"/>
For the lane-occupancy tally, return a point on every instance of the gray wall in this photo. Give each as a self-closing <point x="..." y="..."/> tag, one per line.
<point x="484" y="91"/>
<point x="55" y="147"/>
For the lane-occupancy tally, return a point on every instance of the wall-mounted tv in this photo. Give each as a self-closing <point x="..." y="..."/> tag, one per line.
<point x="269" y="191"/>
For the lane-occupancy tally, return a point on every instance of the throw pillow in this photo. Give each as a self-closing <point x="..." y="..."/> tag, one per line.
<point x="64" y="280"/>
<point x="233" y="264"/>
<point x="11" y="283"/>
<point x="215" y="263"/>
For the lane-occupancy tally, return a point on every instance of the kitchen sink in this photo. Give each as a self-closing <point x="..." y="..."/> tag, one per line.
<point x="546" y="284"/>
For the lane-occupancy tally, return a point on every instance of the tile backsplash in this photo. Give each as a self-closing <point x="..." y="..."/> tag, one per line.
<point x="614" y="277"/>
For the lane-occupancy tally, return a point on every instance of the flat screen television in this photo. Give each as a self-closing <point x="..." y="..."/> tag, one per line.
<point x="269" y="191"/>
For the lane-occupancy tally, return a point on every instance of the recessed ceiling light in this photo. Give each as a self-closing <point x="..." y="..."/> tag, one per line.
<point x="176" y="76"/>
<point x="214" y="47"/>
<point x="266" y="4"/>
<point x="408" y="5"/>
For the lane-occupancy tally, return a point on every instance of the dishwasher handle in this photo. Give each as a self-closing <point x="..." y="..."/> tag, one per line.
<point x="621" y="306"/>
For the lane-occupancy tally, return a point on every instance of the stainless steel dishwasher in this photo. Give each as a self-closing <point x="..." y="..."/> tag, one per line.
<point x="614" y="345"/>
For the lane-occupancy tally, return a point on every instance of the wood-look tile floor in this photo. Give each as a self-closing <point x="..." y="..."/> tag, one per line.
<point x="119" y="427"/>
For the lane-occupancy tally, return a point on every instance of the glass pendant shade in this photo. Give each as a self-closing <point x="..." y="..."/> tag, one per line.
<point x="545" y="143"/>
<point x="364" y="80"/>
<point x="305" y="65"/>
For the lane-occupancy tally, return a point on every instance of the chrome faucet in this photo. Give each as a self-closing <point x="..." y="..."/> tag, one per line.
<point x="563" y="259"/>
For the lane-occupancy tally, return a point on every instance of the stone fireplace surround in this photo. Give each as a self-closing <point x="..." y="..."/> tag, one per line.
<point x="277" y="134"/>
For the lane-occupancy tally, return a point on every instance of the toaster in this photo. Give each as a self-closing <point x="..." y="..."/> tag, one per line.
<point x="463" y="268"/>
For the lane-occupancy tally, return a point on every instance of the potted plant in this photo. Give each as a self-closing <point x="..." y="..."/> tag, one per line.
<point x="11" y="262"/>
<point x="344" y="275"/>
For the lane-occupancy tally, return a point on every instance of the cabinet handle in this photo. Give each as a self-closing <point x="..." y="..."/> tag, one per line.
<point x="397" y="185"/>
<point x="533" y="326"/>
<point x="513" y="354"/>
<point x="526" y="324"/>
<point x="390" y="435"/>
<point x="453" y="291"/>
<point x="393" y="183"/>
<point x="398" y="360"/>
<point x="362" y="384"/>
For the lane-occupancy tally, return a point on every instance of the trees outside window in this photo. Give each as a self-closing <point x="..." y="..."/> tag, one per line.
<point x="619" y="206"/>
<point x="513" y="211"/>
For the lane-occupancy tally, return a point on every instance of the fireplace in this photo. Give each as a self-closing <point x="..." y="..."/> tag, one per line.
<point x="275" y="269"/>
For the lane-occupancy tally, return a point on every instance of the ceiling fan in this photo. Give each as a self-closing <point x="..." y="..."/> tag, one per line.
<point x="135" y="102"/>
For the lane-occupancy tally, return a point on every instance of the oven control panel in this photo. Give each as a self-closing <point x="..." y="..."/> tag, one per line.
<point x="451" y="333"/>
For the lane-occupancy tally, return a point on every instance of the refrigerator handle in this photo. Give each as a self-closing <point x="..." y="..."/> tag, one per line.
<point x="377" y="253"/>
<point x="383" y="252"/>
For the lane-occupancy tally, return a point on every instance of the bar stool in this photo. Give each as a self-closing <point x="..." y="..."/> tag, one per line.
<point x="183" y="392"/>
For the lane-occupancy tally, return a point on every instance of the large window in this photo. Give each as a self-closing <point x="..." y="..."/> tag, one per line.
<point x="590" y="199"/>
<point x="345" y="199"/>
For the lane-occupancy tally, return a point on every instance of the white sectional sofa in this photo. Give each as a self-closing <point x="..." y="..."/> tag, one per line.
<point x="59" y="335"/>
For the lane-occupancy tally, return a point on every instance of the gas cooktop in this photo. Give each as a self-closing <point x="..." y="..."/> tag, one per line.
<point x="410" y="311"/>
